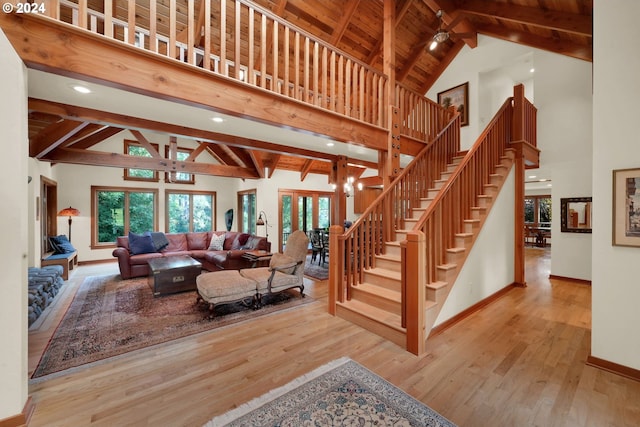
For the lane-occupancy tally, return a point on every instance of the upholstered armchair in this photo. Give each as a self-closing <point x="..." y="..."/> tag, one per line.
<point x="285" y="271"/>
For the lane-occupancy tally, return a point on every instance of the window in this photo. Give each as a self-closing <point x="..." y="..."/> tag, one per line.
<point x="247" y="209"/>
<point x="180" y="177"/>
<point x="116" y="211"/>
<point x="189" y="211"/>
<point x="133" y="148"/>
<point x="303" y="210"/>
<point x="537" y="211"/>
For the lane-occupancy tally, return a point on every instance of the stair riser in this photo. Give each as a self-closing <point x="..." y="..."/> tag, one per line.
<point x="376" y="300"/>
<point x="391" y="334"/>
<point x="455" y="258"/>
<point x="437" y="295"/>
<point x="389" y="264"/>
<point x="382" y="281"/>
<point x="464" y="242"/>
<point x="424" y="203"/>
<point x="448" y="275"/>
<point x="393" y="250"/>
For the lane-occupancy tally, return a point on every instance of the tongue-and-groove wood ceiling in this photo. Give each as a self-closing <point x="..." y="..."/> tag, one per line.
<point x="355" y="27"/>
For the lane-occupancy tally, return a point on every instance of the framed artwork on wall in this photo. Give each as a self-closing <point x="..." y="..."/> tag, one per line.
<point x="459" y="97"/>
<point x="626" y="207"/>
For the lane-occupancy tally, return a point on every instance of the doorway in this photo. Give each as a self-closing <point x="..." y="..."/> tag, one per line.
<point x="302" y="210"/>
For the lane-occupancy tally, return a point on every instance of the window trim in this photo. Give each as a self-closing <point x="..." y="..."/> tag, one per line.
<point x="128" y="143"/>
<point x="95" y="189"/>
<point x="240" y="195"/>
<point x="191" y="193"/>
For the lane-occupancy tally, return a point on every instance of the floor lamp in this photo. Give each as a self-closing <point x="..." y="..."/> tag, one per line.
<point x="263" y="221"/>
<point x="69" y="212"/>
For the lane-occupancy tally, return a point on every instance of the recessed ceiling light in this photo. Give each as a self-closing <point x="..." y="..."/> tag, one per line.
<point x="549" y="185"/>
<point x="81" y="89"/>
<point x="330" y="144"/>
<point x="532" y="176"/>
<point x="217" y="119"/>
<point x="532" y="70"/>
<point x="543" y="180"/>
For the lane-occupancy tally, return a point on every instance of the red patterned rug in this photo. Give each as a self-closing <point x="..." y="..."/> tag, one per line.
<point x="110" y="316"/>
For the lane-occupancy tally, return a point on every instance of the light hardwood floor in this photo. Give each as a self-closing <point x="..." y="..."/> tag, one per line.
<point x="518" y="362"/>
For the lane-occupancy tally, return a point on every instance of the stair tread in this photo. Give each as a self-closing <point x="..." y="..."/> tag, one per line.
<point x="377" y="314"/>
<point x="389" y="257"/>
<point x="437" y="284"/>
<point x="456" y="250"/>
<point x="449" y="266"/>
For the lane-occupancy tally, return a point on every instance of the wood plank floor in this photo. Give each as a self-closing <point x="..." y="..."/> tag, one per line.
<point x="518" y="362"/>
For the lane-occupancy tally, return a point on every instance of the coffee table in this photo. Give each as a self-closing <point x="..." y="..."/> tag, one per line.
<point x="168" y="275"/>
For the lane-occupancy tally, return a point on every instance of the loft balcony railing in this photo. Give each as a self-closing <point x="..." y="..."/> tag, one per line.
<point x="240" y="40"/>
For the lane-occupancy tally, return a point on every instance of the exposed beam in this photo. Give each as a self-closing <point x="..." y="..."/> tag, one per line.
<point x="101" y="135"/>
<point x="306" y="168"/>
<point x="256" y="159"/>
<point x="573" y="23"/>
<point x="53" y="136"/>
<point x="443" y="64"/>
<point x="98" y="158"/>
<point x="220" y="153"/>
<point x="165" y="78"/>
<point x="562" y="47"/>
<point x="120" y="120"/>
<point x="196" y="152"/>
<point x="345" y="18"/>
<point x="145" y="143"/>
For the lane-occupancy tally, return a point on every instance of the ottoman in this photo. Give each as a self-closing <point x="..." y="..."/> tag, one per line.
<point x="224" y="287"/>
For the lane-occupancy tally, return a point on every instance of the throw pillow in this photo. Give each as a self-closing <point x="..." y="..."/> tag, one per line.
<point x="61" y="245"/>
<point x="240" y="240"/>
<point x="279" y="259"/>
<point x="141" y="243"/>
<point x="217" y="240"/>
<point x="160" y="241"/>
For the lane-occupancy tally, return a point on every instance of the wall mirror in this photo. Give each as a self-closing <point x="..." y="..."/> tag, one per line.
<point x="575" y="215"/>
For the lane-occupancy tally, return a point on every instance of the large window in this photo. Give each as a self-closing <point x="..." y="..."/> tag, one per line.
<point x="133" y="148"/>
<point x="537" y="211"/>
<point x="116" y="211"/>
<point x="188" y="211"/>
<point x="247" y="211"/>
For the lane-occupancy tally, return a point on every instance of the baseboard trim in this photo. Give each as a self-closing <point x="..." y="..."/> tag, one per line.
<point x="469" y="311"/>
<point x="21" y="419"/>
<point x="570" y="279"/>
<point x="97" y="261"/>
<point x="614" y="368"/>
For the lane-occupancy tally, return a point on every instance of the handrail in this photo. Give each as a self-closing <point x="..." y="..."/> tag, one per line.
<point x="257" y="48"/>
<point x="387" y="213"/>
<point x="445" y="216"/>
<point x="263" y="50"/>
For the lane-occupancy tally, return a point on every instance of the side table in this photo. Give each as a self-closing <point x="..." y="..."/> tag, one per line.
<point x="258" y="258"/>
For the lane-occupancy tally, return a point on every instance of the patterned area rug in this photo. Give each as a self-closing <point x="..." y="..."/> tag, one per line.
<point x="110" y="316"/>
<point x="315" y="271"/>
<point x="341" y="393"/>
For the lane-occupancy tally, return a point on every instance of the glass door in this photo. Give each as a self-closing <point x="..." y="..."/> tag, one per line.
<point x="302" y="210"/>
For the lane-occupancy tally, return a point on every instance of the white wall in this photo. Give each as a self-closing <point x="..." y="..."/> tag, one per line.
<point x="615" y="284"/>
<point x="490" y="264"/>
<point x="14" y="194"/>
<point x="561" y="90"/>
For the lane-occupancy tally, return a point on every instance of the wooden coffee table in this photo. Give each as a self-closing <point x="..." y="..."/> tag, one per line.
<point x="168" y="275"/>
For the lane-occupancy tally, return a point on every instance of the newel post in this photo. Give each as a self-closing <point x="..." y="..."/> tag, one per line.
<point x="414" y="279"/>
<point x="336" y="268"/>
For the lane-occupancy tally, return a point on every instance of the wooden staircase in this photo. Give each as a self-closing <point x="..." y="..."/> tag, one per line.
<point x="376" y="303"/>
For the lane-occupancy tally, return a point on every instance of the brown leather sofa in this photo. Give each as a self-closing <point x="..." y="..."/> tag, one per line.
<point x="196" y="245"/>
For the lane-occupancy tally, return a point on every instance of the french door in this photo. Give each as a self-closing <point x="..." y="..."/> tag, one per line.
<point x="302" y="210"/>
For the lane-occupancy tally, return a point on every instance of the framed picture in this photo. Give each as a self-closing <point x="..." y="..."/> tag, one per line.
<point x="459" y="97"/>
<point x="626" y="207"/>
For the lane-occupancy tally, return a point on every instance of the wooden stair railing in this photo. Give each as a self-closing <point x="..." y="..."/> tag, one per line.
<point x="450" y="216"/>
<point x="366" y="238"/>
<point x="259" y="49"/>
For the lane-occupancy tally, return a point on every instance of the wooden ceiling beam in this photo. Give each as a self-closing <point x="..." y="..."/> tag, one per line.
<point x="98" y="158"/>
<point x="196" y="152"/>
<point x="53" y="136"/>
<point x="347" y="13"/>
<point x="562" y="47"/>
<point x="124" y="121"/>
<point x="221" y="155"/>
<point x="145" y="143"/>
<point x="306" y="168"/>
<point x="572" y="23"/>
<point x="257" y="161"/>
<point x="101" y="135"/>
<point x="444" y="63"/>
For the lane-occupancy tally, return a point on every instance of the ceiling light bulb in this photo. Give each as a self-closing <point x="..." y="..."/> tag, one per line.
<point x="433" y="45"/>
<point x="218" y="119"/>
<point x="330" y="144"/>
<point x="532" y="70"/>
<point x="81" y="89"/>
<point x="532" y="176"/>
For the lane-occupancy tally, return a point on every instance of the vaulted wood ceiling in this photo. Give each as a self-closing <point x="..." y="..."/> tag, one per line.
<point x="62" y="133"/>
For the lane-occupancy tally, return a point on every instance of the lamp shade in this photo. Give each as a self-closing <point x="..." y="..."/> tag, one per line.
<point x="69" y="212"/>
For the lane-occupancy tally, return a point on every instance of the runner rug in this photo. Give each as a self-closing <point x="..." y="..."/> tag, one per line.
<point x="110" y="316"/>
<point x="341" y="393"/>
